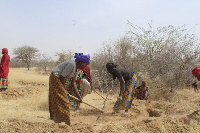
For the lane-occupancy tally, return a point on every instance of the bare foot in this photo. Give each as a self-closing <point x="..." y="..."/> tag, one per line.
<point x="115" y="112"/>
<point x="124" y="114"/>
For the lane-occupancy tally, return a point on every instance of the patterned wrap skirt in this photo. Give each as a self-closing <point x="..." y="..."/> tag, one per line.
<point x="71" y="91"/>
<point x="59" y="106"/>
<point x="4" y="83"/>
<point x="127" y="97"/>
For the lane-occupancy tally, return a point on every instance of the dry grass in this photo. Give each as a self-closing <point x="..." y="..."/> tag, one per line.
<point x="18" y="76"/>
<point x="29" y="106"/>
<point x="24" y="108"/>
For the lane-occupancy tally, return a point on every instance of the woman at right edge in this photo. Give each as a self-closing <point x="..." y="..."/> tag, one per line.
<point x="127" y="81"/>
<point x="196" y="73"/>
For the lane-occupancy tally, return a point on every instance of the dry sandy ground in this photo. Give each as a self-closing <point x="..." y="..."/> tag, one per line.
<point x="24" y="109"/>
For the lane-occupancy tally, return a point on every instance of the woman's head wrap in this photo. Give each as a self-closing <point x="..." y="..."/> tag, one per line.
<point x="5" y="51"/>
<point x="87" y="73"/>
<point x="144" y="83"/>
<point x="82" y="57"/>
<point x="196" y="71"/>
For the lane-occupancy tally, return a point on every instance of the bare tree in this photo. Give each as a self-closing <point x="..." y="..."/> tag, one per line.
<point x="125" y="54"/>
<point x="15" y="63"/>
<point x="168" y="52"/>
<point x="63" y="56"/>
<point x="121" y="52"/>
<point x="46" y="63"/>
<point x="26" y="54"/>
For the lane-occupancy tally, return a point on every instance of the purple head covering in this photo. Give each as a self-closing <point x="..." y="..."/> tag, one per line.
<point x="82" y="57"/>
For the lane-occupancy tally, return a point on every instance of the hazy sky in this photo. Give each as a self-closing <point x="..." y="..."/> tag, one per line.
<point x="83" y="25"/>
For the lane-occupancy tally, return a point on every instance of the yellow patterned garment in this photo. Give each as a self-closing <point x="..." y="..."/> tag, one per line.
<point x="127" y="97"/>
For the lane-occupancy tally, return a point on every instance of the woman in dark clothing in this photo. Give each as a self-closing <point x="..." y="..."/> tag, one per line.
<point x="127" y="81"/>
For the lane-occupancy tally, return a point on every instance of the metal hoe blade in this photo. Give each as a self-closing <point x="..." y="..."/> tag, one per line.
<point x="104" y="103"/>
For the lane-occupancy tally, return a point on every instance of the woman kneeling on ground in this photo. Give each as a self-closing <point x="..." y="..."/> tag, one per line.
<point x="141" y="91"/>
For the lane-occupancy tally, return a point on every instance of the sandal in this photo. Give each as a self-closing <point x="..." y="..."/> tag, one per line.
<point x="115" y="112"/>
<point x="124" y="114"/>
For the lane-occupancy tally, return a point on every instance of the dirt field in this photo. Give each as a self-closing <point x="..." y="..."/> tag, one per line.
<point x="24" y="109"/>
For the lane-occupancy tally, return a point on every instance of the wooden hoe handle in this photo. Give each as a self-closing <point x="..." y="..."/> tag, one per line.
<point x="83" y="102"/>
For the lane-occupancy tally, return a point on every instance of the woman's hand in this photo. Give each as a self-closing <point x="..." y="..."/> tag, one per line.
<point x="80" y="100"/>
<point x="76" y="90"/>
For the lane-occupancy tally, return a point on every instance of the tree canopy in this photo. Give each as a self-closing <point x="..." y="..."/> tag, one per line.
<point x="26" y="54"/>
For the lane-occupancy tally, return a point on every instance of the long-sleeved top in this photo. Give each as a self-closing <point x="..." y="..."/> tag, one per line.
<point x="4" y="67"/>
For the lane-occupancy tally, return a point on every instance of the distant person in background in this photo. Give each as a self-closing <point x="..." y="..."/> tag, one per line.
<point x="194" y="85"/>
<point x="59" y="105"/>
<point x="127" y="81"/>
<point x="142" y="91"/>
<point x="196" y="73"/>
<point x="4" y="69"/>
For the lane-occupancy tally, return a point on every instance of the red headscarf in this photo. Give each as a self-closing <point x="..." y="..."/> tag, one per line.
<point x="4" y="66"/>
<point x="196" y="71"/>
<point x="87" y="73"/>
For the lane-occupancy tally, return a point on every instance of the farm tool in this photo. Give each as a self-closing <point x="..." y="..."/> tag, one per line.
<point x="99" y="94"/>
<point x="104" y="105"/>
<point x="83" y="102"/>
<point x="101" y="110"/>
